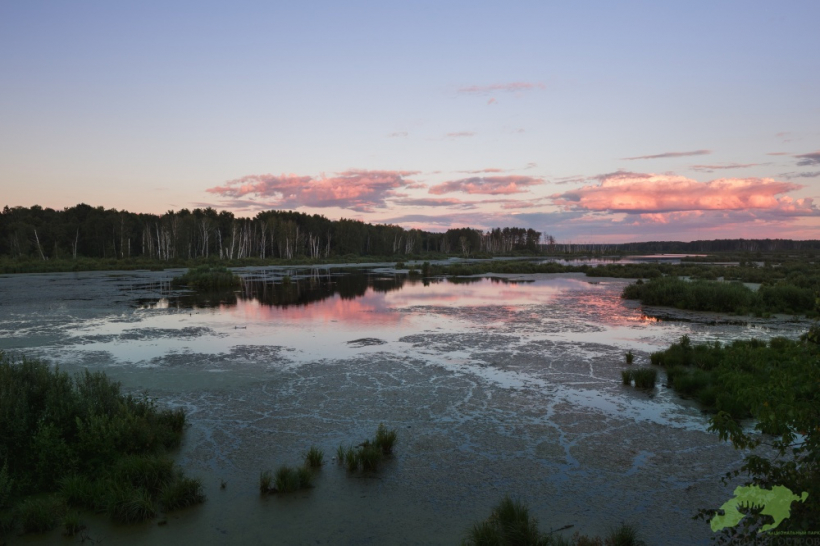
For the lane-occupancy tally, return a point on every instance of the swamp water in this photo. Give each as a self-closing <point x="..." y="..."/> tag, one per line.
<point x="496" y="386"/>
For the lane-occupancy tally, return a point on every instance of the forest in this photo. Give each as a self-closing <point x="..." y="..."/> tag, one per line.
<point x="95" y="232"/>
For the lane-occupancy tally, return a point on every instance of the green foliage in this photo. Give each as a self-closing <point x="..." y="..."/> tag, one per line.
<point x="287" y="479"/>
<point x="81" y="437"/>
<point x="206" y="278"/>
<point x="181" y="493"/>
<point x="778" y="385"/>
<point x="509" y="524"/>
<point x="725" y="297"/>
<point x="40" y="515"/>
<point x="385" y="439"/>
<point x="128" y="504"/>
<point x="645" y="378"/>
<point x="626" y="377"/>
<point x="629" y="357"/>
<point x="72" y="524"/>
<point x="314" y="457"/>
<point x="340" y="454"/>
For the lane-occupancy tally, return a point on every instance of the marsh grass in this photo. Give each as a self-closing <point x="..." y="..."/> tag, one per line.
<point x="40" y="515"/>
<point x="287" y="479"/>
<point x="629" y="356"/>
<point x="370" y="455"/>
<point x="645" y="378"/>
<point x="150" y="472"/>
<point x="265" y="482"/>
<point x="8" y="522"/>
<point x="72" y="524"/>
<point x="314" y="458"/>
<point x="207" y="278"/>
<point x="351" y="459"/>
<point x="181" y="493"/>
<point x="624" y="535"/>
<point x="385" y="439"/>
<point x="340" y="454"/>
<point x="130" y="504"/>
<point x="509" y="524"/>
<point x="626" y="377"/>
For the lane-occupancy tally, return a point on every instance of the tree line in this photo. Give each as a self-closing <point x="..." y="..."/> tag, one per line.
<point x="96" y="232"/>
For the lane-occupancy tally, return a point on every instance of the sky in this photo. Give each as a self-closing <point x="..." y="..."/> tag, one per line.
<point x="590" y="121"/>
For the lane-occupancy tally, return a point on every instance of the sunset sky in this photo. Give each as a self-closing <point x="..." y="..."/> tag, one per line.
<point x="592" y="121"/>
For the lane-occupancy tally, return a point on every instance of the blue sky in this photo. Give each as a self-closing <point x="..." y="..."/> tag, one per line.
<point x="593" y="121"/>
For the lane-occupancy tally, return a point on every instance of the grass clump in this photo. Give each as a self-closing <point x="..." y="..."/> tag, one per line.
<point x="626" y="377"/>
<point x="314" y="458"/>
<point x="131" y="504"/>
<point x="287" y="479"/>
<point x="207" y="278"/>
<point x="72" y="524"/>
<point x="79" y="437"/>
<point x="645" y="378"/>
<point x="181" y="493"/>
<point x="40" y="515"/>
<point x="630" y="357"/>
<point x="385" y="439"/>
<point x="265" y="482"/>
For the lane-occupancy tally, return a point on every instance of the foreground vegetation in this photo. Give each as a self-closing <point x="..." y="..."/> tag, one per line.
<point x="79" y="442"/>
<point x="510" y="524"/>
<point x="778" y="385"/>
<point x="725" y="297"/>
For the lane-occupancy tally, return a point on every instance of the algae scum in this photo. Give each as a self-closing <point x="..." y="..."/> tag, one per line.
<point x="496" y="386"/>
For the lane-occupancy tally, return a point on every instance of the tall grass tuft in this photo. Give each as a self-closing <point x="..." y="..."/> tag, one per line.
<point x="130" y="504"/>
<point x="510" y="524"/>
<point x="40" y="515"/>
<point x="181" y="493"/>
<point x="265" y="482"/>
<point x="645" y="378"/>
<point x="626" y="377"/>
<point x="206" y="278"/>
<point x="385" y="439"/>
<point x="287" y="479"/>
<point x="314" y="457"/>
<point x="370" y="455"/>
<point x="340" y="454"/>
<point x="351" y="459"/>
<point x="72" y="524"/>
<point x="630" y="357"/>
<point x="624" y="535"/>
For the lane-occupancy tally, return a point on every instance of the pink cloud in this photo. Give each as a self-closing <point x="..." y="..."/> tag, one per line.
<point x="490" y="185"/>
<point x="436" y="202"/>
<point x="492" y="101"/>
<point x="636" y="193"/>
<point x="669" y="154"/>
<point x="513" y="87"/>
<point x="357" y="190"/>
<point x="778" y="153"/>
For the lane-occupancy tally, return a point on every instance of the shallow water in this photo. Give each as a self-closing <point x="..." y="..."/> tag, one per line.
<point x="497" y="386"/>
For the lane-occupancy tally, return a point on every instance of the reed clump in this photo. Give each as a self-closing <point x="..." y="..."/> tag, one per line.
<point x="369" y="454"/>
<point x="314" y="458"/>
<point x="207" y="278"/>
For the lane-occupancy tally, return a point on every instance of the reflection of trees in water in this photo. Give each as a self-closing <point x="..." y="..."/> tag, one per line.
<point x="308" y="289"/>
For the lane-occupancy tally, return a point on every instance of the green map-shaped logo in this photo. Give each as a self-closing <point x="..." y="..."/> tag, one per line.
<point x="776" y="502"/>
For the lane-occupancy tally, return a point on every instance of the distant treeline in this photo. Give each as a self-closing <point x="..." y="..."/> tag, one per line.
<point x="693" y="247"/>
<point x="95" y="232"/>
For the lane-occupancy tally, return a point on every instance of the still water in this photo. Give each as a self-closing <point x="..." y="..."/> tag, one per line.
<point x="496" y="386"/>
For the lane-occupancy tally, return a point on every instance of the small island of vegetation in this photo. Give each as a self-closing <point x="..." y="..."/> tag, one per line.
<point x="78" y="443"/>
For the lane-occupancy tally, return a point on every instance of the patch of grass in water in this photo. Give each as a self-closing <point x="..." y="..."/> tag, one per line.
<point x="265" y="482"/>
<point x="181" y="493"/>
<point x="385" y="439"/>
<point x="626" y="377"/>
<point x="72" y="524"/>
<point x="40" y="515"/>
<point x="129" y="504"/>
<point x="314" y="458"/>
<point x="645" y="378"/>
